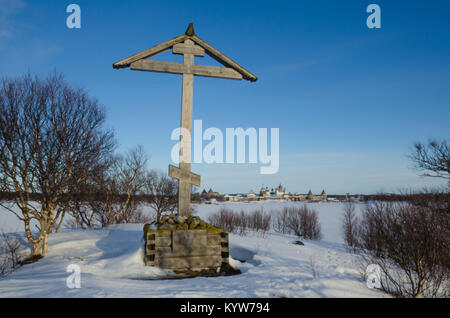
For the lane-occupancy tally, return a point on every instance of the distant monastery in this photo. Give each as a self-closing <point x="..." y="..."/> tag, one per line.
<point x="278" y="193"/>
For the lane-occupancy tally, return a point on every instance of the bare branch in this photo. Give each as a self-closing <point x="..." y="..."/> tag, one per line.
<point x="51" y="138"/>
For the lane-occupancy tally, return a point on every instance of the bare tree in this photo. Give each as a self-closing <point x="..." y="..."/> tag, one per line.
<point x="141" y="217"/>
<point x="117" y="187"/>
<point x="80" y="211"/>
<point x="51" y="136"/>
<point x="161" y="192"/>
<point x="87" y="193"/>
<point x="433" y="157"/>
<point x="350" y="225"/>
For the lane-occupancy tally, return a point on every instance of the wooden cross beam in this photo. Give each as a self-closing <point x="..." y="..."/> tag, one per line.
<point x="183" y="174"/>
<point x="178" y="68"/>
<point x="188" y="45"/>
<point x="185" y="179"/>
<point x="187" y="176"/>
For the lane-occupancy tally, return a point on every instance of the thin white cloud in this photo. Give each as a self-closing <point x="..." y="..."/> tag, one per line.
<point x="44" y="52"/>
<point x="8" y="9"/>
<point x="5" y="33"/>
<point x="283" y="69"/>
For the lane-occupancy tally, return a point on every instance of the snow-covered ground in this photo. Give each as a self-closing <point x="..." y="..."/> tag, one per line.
<point x="111" y="263"/>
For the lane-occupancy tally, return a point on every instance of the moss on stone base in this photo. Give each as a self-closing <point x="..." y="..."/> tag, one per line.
<point x="173" y="222"/>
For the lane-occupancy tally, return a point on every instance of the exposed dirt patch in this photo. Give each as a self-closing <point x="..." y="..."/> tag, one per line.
<point x="30" y="260"/>
<point x="225" y="270"/>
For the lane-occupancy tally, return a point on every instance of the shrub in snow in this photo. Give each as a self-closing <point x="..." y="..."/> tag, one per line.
<point x="225" y="219"/>
<point x="259" y="221"/>
<point x="241" y="222"/>
<point x="9" y="254"/>
<point x="280" y="222"/>
<point x="301" y="221"/>
<point x="410" y="243"/>
<point x="350" y="226"/>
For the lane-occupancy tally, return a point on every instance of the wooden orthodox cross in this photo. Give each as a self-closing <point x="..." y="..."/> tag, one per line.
<point x="188" y="45"/>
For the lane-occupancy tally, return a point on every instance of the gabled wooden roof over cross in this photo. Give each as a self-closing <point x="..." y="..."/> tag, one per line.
<point x="231" y="69"/>
<point x="189" y="45"/>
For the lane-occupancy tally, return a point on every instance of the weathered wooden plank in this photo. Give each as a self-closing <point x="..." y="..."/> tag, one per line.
<point x="148" y="251"/>
<point x="214" y="71"/>
<point x="150" y="260"/>
<point x="224" y="236"/>
<point x="182" y="48"/>
<point x="207" y="251"/>
<point x="177" y="68"/>
<point x="150" y="51"/>
<point x="194" y="262"/>
<point x="214" y="240"/>
<point x="187" y="96"/>
<point x="184" y="239"/>
<point x="159" y="66"/>
<point x="163" y="241"/>
<point x="223" y="59"/>
<point x="152" y="235"/>
<point x="184" y="175"/>
<point x="225" y="248"/>
<point x="161" y="251"/>
<point x="164" y="234"/>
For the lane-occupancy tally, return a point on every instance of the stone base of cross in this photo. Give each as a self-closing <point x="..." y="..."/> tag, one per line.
<point x="185" y="179"/>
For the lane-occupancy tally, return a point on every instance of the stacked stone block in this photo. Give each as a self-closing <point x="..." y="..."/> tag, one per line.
<point x="203" y="248"/>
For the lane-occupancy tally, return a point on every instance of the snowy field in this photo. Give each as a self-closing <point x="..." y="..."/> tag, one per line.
<point x="111" y="262"/>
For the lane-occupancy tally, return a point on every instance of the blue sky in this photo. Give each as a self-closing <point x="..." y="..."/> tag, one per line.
<point x="349" y="101"/>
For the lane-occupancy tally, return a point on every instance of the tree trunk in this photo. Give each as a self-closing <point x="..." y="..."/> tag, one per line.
<point x="37" y="249"/>
<point x="45" y="230"/>
<point x="45" y="244"/>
